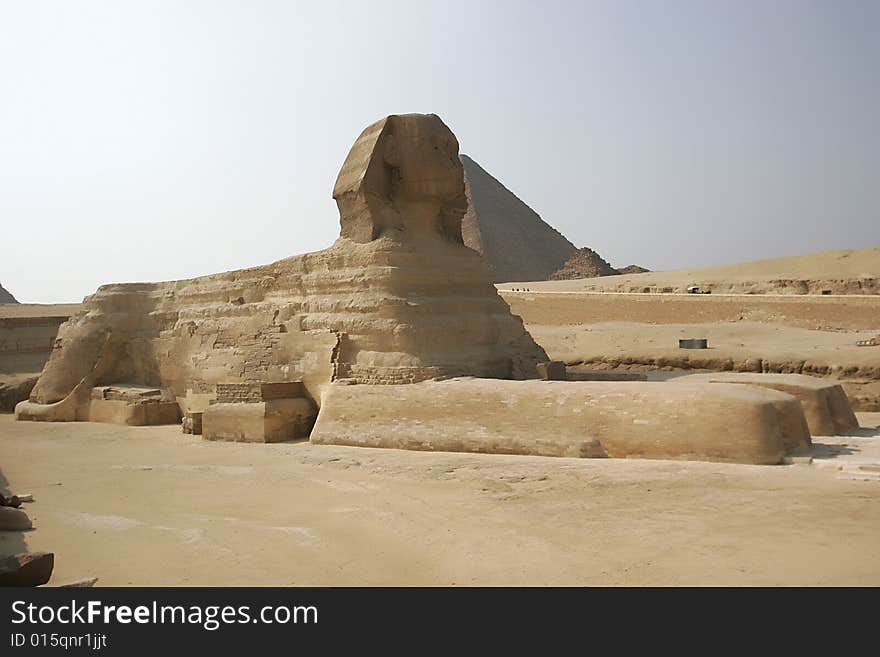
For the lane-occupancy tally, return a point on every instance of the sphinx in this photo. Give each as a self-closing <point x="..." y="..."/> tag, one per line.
<point x="396" y="299"/>
<point x="395" y="335"/>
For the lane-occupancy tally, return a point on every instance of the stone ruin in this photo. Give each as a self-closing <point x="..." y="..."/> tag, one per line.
<point x="392" y="337"/>
<point x="258" y="412"/>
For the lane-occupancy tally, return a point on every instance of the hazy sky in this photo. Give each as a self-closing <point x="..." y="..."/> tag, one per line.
<point x="157" y="140"/>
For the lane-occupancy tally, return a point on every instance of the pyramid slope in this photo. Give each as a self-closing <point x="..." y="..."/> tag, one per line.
<point x="513" y="238"/>
<point x="6" y="297"/>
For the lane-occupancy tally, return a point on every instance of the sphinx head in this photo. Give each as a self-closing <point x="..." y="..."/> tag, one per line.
<point x="402" y="177"/>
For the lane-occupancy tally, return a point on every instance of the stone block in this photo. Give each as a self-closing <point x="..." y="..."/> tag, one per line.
<point x="136" y="414"/>
<point x="826" y="406"/>
<point x="698" y="422"/>
<point x="553" y="370"/>
<point x="232" y="393"/>
<point x="272" y="421"/>
<point x="192" y="423"/>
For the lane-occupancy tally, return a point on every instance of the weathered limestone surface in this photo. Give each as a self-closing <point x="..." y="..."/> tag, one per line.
<point x="398" y="298"/>
<point x="553" y="370"/>
<point x="825" y="404"/>
<point x="192" y="423"/>
<point x="15" y="389"/>
<point x="259" y="422"/>
<point x="232" y="393"/>
<point x="556" y="370"/>
<point x="560" y="418"/>
<point x="77" y="403"/>
<point x="258" y="412"/>
<point x="131" y="405"/>
<point x="26" y="342"/>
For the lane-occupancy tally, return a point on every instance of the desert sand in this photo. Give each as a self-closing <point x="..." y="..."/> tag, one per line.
<point x="849" y="271"/>
<point x="807" y="334"/>
<point x="152" y="506"/>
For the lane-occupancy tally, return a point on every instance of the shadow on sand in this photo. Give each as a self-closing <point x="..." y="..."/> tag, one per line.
<point x="831" y="450"/>
<point x="863" y="432"/>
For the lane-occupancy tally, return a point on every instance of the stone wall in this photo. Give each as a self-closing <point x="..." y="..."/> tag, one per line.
<point x="248" y="393"/>
<point x="26" y="342"/>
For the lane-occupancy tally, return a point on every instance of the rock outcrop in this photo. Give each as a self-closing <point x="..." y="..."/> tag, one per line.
<point x="397" y="298"/>
<point x="705" y="422"/>
<point x="826" y="407"/>
<point x="6" y="297"/>
<point x="516" y="242"/>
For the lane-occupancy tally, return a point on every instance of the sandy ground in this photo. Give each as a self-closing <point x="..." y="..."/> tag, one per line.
<point x="738" y="341"/>
<point x="828" y="269"/>
<point x="151" y="506"/>
<point x="833" y="313"/>
<point x="815" y="334"/>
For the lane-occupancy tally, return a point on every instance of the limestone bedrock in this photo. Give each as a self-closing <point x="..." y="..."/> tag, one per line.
<point x="826" y="406"/>
<point x="697" y="421"/>
<point x="397" y="298"/>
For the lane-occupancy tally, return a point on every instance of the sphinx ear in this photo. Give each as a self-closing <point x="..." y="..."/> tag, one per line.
<point x="391" y="154"/>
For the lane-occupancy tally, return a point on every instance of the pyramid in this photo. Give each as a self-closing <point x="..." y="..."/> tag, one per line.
<point x="632" y="269"/>
<point x="5" y="297"/>
<point x="586" y="263"/>
<point x="516" y="242"/>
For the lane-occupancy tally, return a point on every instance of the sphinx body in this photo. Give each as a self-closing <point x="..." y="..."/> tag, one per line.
<point x="396" y="299"/>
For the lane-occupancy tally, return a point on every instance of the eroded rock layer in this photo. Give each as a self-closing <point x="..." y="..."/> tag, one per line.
<point x="716" y="422"/>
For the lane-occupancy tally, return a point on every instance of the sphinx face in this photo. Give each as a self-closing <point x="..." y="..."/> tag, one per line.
<point x="402" y="177"/>
<point x="424" y="153"/>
